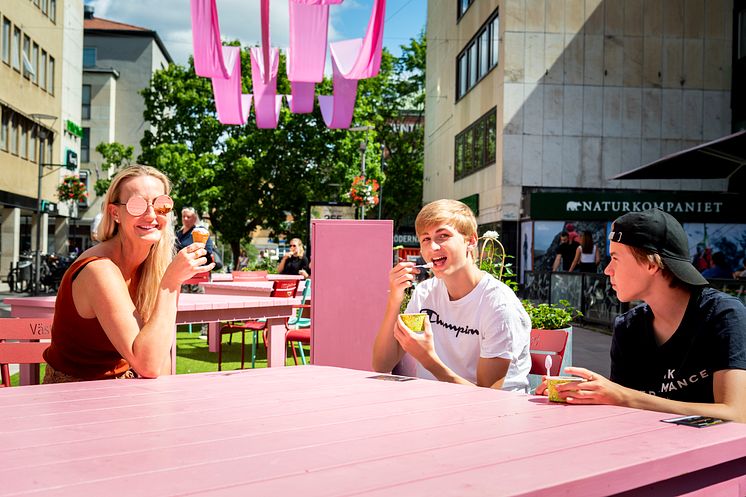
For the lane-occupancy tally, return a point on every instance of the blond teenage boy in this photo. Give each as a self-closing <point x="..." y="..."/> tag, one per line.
<point x="478" y="332"/>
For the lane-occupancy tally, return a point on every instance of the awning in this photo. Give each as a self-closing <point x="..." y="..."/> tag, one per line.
<point x="721" y="158"/>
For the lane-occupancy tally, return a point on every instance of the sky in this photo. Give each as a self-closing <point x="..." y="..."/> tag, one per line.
<point x="239" y="19"/>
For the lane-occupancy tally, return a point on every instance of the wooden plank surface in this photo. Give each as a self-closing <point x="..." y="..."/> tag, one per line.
<point x="331" y="431"/>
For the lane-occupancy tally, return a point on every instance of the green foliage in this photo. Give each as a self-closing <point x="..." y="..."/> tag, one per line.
<point x="115" y="157"/>
<point x="549" y="317"/>
<point x="245" y="177"/>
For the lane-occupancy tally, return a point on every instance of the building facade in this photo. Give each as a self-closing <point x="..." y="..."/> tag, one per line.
<point x="529" y="101"/>
<point x="118" y="61"/>
<point x="40" y="53"/>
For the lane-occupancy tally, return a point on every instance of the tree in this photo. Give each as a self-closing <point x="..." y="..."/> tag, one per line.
<point x="115" y="157"/>
<point x="246" y="177"/>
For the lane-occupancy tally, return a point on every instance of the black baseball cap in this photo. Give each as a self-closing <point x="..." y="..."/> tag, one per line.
<point x="660" y="233"/>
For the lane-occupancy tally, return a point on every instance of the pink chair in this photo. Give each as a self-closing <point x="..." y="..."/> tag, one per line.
<point x="27" y="351"/>
<point x="198" y="278"/>
<point x="280" y="288"/>
<point x="544" y="343"/>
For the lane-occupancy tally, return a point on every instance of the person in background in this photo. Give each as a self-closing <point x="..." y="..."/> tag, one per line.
<point x="295" y="261"/>
<point x="116" y="306"/>
<point x="477" y="333"/>
<point x="566" y="251"/>
<point x="684" y="350"/>
<point x="189" y="221"/>
<point x="719" y="268"/>
<point x="587" y="256"/>
<point x="243" y="260"/>
<point x="740" y="273"/>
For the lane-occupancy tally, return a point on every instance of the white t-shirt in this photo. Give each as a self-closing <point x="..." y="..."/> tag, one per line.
<point x="488" y="322"/>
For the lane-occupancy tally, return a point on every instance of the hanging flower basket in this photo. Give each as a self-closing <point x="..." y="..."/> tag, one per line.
<point x="364" y="192"/>
<point x="72" y="189"/>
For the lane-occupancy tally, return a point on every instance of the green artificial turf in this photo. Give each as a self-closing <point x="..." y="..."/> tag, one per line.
<point x="193" y="356"/>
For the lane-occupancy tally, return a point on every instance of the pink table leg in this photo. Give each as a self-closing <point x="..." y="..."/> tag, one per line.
<point x="213" y="336"/>
<point x="276" y="342"/>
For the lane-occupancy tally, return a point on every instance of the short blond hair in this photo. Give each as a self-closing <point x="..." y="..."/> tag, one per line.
<point x="447" y="211"/>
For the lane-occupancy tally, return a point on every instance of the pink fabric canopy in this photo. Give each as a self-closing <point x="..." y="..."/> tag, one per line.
<point x="352" y="60"/>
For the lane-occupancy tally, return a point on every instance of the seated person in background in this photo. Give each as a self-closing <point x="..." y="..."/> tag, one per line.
<point x="565" y="252"/>
<point x="116" y="306"/>
<point x="684" y="350"/>
<point x="719" y="268"/>
<point x="740" y="273"/>
<point x="295" y="262"/>
<point x="478" y="332"/>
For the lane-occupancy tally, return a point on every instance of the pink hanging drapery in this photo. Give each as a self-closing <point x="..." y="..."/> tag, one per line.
<point x="352" y="60"/>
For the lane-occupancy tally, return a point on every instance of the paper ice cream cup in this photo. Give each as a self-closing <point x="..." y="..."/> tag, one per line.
<point x="553" y="381"/>
<point x="414" y="321"/>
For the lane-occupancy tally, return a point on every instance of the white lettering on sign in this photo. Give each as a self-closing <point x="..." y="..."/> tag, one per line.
<point x="624" y="206"/>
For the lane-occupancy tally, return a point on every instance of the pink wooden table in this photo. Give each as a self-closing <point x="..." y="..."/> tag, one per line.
<point x="199" y="308"/>
<point x="217" y="277"/>
<point x="326" y="431"/>
<point x="257" y="288"/>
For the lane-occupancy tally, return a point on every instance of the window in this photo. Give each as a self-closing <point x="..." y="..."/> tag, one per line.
<point x="478" y="58"/>
<point x="85" y="146"/>
<point x="35" y="63"/>
<point x="85" y="111"/>
<point x="44" y="6"/>
<point x="476" y="146"/>
<point x="463" y="6"/>
<point x="50" y="147"/>
<point x="53" y="10"/>
<point x="89" y="57"/>
<point x="24" y="140"/>
<point x="14" y="134"/>
<point x="43" y="70"/>
<point x="6" y="40"/>
<point x="32" y="144"/>
<point x="27" y="67"/>
<point x="16" y="49"/>
<point x="4" y="129"/>
<point x="50" y="76"/>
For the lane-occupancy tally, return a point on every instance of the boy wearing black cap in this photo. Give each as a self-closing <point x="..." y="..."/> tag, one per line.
<point x="684" y="350"/>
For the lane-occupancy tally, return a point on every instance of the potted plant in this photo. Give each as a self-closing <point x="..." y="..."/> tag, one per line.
<point x="72" y="189"/>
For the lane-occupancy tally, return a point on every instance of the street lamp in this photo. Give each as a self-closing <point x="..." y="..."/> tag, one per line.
<point x="42" y="133"/>
<point x="363" y="146"/>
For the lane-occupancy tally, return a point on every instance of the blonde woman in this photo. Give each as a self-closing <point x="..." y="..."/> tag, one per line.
<point x="116" y="307"/>
<point x="295" y="262"/>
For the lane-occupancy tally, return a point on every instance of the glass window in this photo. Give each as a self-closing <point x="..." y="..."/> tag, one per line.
<point x="50" y="76"/>
<point x="50" y="148"/>
<point x="6" y="40"/>
<point x="14" y="134"/>
<point x="16" y="49"/>
<point x="44" y="5"/>
<point x="459" y="165"/>
<point x="53" y="10"/>
<point x="463" y="6"/>
<point x="85" y="111"/>
<point x="484" y="52"/>
<point x="479" y="145"/>
<point x="35" y="63"/>
<point x="36" y="2"/>
<point x="473" y="65"/>
<point x="43" y="70"/>
<point x="85" y="146"/>
<point x="89" y="57"/>
<point x="462" y="73"/>
<point x="24" y="140"/>
<point x="27" y="67"/>
<point x="32" y="144"/>
<point x="468" y="151"/>
<point x="491" y="137"/>
<point x="4" y="129"/>
<point x="495" y="34"/>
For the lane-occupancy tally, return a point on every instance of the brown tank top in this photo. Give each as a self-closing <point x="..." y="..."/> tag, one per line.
<point x="80" y="347"/>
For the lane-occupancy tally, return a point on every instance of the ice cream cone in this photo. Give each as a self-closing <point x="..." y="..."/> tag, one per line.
<point x="200" y="235"/>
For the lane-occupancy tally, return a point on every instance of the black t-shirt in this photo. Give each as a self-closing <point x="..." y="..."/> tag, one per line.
<point x="294" y="264"/>
<point x="710" y="338"/>
<point x="567" y="251"/>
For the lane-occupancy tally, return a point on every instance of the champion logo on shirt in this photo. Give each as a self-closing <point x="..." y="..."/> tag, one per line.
<point x="434" y="317"/>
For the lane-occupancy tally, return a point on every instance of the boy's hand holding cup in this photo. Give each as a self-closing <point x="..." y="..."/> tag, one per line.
<point x="554" y="381"/>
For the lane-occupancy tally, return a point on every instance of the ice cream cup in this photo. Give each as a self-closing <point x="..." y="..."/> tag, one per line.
<point x="553" y="381"/>
<point x="200" y="235"/>
<point x="414" y="321"/>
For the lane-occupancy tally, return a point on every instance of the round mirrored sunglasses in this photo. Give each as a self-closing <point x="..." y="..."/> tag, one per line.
<point x="136" y="205"/>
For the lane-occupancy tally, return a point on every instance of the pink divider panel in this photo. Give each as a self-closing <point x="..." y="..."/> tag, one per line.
<point x="351" y="262"/>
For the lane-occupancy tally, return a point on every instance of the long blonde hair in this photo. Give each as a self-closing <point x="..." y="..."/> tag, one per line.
<point x="161" y="253"/>
<point x="301" y="249"/>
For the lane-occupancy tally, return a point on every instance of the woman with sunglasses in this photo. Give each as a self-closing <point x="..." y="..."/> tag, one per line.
<point x="295" y="262"/>
<point x="116" y="306"/>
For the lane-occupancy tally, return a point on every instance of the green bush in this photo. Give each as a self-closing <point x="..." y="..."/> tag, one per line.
<point x="549" y="317"/>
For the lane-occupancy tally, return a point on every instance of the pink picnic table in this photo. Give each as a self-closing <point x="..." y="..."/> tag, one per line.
<point x="197" y="308"/>
<point x="256" y="288"/>
<point x="337" y="432"/>
<point x="216" y="277"/>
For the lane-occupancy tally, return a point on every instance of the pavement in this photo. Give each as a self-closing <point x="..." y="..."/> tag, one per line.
<point x="590" y="345"/>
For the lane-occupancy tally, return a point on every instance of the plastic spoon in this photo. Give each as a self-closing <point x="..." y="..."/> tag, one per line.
<point x="424" y="266"/>
<point x="548" y="363"/>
